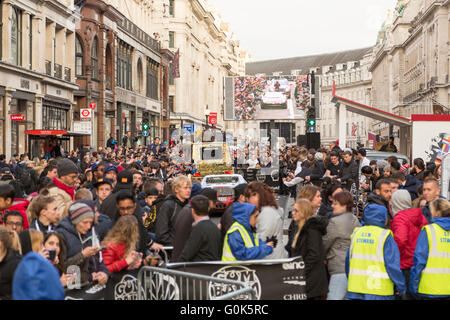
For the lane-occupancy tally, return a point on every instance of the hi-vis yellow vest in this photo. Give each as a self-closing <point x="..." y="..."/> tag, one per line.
<point x="435" y="278"/>
<point x="368" y="273"/>
<point x="227" y="255"/>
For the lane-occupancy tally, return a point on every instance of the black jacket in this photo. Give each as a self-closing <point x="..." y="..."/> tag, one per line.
<point x="309" y="245"/>
<point x="165" y="220"/>
<point x="226" y="221"/>
<point x="152" y="212"/>
<point x="182" y="230"/>
<point x="7" y="268"/>
<point x="203" y="244"/>
<point x="318" y="171"/>
<point x="349" y="174"/>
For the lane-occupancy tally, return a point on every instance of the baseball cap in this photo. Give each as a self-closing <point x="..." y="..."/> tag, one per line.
<point x="5" y="170"/>
<point x="125" y="179"/>
<point x="101" y="181"/>
<point x="94" y="166"/>
<point x="110" y="167"/>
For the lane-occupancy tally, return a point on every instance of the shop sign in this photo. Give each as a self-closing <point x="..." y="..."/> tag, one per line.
<point x="17" y="117"/>
<point x="213" y="118"/>
<point x="85" y="114"/>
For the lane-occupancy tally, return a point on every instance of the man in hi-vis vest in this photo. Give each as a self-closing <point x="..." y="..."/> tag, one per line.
<point x="241" y="243"/>
<point x="372" y="263"/>
<point x="430" y="275"/>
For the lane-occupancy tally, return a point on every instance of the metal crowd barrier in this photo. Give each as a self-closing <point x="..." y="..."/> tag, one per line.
<point x="165" y="284"/>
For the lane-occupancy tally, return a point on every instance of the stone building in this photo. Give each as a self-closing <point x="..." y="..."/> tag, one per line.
<point x="121" y="69"/>
<point x="37" y="78"/>
<point x="207" y="55"/>
<point x="348" y="69"/>
<point x="411" y="62"/>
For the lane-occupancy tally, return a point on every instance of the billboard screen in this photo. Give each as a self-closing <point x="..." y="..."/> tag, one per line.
<point x="267" y="98"/>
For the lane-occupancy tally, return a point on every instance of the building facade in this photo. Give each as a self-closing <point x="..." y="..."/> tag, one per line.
<point x="411" y="62"/>
<point x="207" y="54"/>
<point x="121" y="69"/>
<point x="37" y="78"/>
<point x="347" y="69"/>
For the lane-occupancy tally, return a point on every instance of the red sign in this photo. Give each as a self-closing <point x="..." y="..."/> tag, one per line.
<point x="213" y="118"/>
<point x="17" y="117"/>
<point x="92" y="105"/>
<point x="45" y="132"/>
<point x="85" y="114"/>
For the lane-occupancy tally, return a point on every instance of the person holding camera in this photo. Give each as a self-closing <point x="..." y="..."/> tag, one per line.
<point x="270" y="221"/>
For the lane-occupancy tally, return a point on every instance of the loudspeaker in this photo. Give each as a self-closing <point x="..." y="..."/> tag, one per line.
<point x="313" y="140"/>
<point x="301" y="140"/>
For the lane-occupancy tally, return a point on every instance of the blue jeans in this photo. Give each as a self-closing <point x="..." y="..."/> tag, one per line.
<point x="337" y="289"/>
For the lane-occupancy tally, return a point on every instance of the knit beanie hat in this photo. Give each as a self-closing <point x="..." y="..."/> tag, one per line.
<point x="401" y="200"/>
<point x="66" y="167"/>
<point x="79" y="211"/>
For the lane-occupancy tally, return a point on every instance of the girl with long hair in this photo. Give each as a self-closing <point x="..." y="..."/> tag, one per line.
<point x="120" y="243"/>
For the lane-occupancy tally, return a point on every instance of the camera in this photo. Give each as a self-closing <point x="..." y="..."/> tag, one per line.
<point x="51" y="255"/>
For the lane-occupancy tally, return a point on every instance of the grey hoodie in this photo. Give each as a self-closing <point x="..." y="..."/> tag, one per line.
<point x="270" y="223"/>
<point x="401" y="200"/>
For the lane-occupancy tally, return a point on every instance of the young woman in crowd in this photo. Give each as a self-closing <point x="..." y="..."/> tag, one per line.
<point x="120" y="243"/>
<point x="337" y="242"/>
<point x="307" y="243"/>
<point x="9" y="260"/>
<point x="54" y="245"/>
<point x="270" y="219"/>
<point x="44" y="212"/>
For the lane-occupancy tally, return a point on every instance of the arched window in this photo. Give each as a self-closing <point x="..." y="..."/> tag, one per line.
<point x="16" y="37"/>
<point x="94" y="58"/>
<point x="79" y="58"/>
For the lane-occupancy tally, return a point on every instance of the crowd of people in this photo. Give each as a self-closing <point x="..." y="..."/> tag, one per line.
<point x="114" y="210"/>
<point x="246" y="93"/>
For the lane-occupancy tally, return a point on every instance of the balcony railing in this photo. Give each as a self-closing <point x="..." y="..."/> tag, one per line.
<point x="48" y="67"/>
<point x="58" y="71"/>
<point x="67" y="74"/>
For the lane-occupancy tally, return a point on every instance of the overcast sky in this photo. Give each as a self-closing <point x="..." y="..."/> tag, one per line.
<point x="271" y="29"/>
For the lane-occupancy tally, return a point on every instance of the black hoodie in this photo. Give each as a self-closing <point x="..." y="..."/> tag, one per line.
<point x="165" y="220"/>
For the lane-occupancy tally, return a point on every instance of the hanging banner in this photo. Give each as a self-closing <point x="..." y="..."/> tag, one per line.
<point x="176" y="65"/>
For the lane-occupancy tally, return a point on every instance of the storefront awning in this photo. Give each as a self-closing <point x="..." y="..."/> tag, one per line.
<point x="55" y="133"/>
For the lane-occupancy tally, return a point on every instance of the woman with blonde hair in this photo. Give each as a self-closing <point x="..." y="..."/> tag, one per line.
<point x="120" y="243"/>
<point x="9" y="260"/>
<point x="307" y="243"/>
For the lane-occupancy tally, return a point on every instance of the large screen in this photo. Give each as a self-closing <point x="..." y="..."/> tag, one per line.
<point x="267" y="98"/>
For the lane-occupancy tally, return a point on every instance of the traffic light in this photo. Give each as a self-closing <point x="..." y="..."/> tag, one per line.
<point x="145" y="125"/>
<point x="311" y="120"/>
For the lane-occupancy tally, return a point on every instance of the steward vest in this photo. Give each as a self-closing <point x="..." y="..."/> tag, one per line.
<point x="227" y="255"/>
<point x="435" y="279"/>
<point x="368" y="273"/>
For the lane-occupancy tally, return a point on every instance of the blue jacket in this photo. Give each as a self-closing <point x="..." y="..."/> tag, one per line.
<point x="36" y="279"/>
<point x="241" y="214"/>
<point x="421" y="257"/>
<point x="411" y="184"/>
<point x="376" y="215"/>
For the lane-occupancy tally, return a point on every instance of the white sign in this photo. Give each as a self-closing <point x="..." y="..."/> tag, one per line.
<point x="85" y="114"/>
<point x="84" y="127"/>
<point x="445" y="178"/>
<point x="430" y="140"/>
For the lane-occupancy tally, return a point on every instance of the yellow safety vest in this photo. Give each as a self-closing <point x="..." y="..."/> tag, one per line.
<point x="368" y="273"/>
<point x="435" y="279"/>
<point x="227" y="255"/>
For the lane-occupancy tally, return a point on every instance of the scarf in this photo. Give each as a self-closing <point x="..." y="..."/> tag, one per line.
<point x="70" y="190"/>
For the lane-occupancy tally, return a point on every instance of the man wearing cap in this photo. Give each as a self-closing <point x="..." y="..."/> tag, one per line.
<point x="124" y="182"/>
<point x="97" y="173"/>
<point x="63" y="190"/>
<point x="103" y="189"/>
<point x="184" y="221"/>
<point x="110" y="172"/>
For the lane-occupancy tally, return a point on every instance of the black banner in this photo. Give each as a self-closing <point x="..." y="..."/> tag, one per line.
<point x="271" y="280"/>
<point x="280" y="280"/>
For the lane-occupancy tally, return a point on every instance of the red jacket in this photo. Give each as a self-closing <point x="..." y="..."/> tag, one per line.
<point x="406" y="227"/>
<point x="113" y="257"/>
<point x="21" y="206"/>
